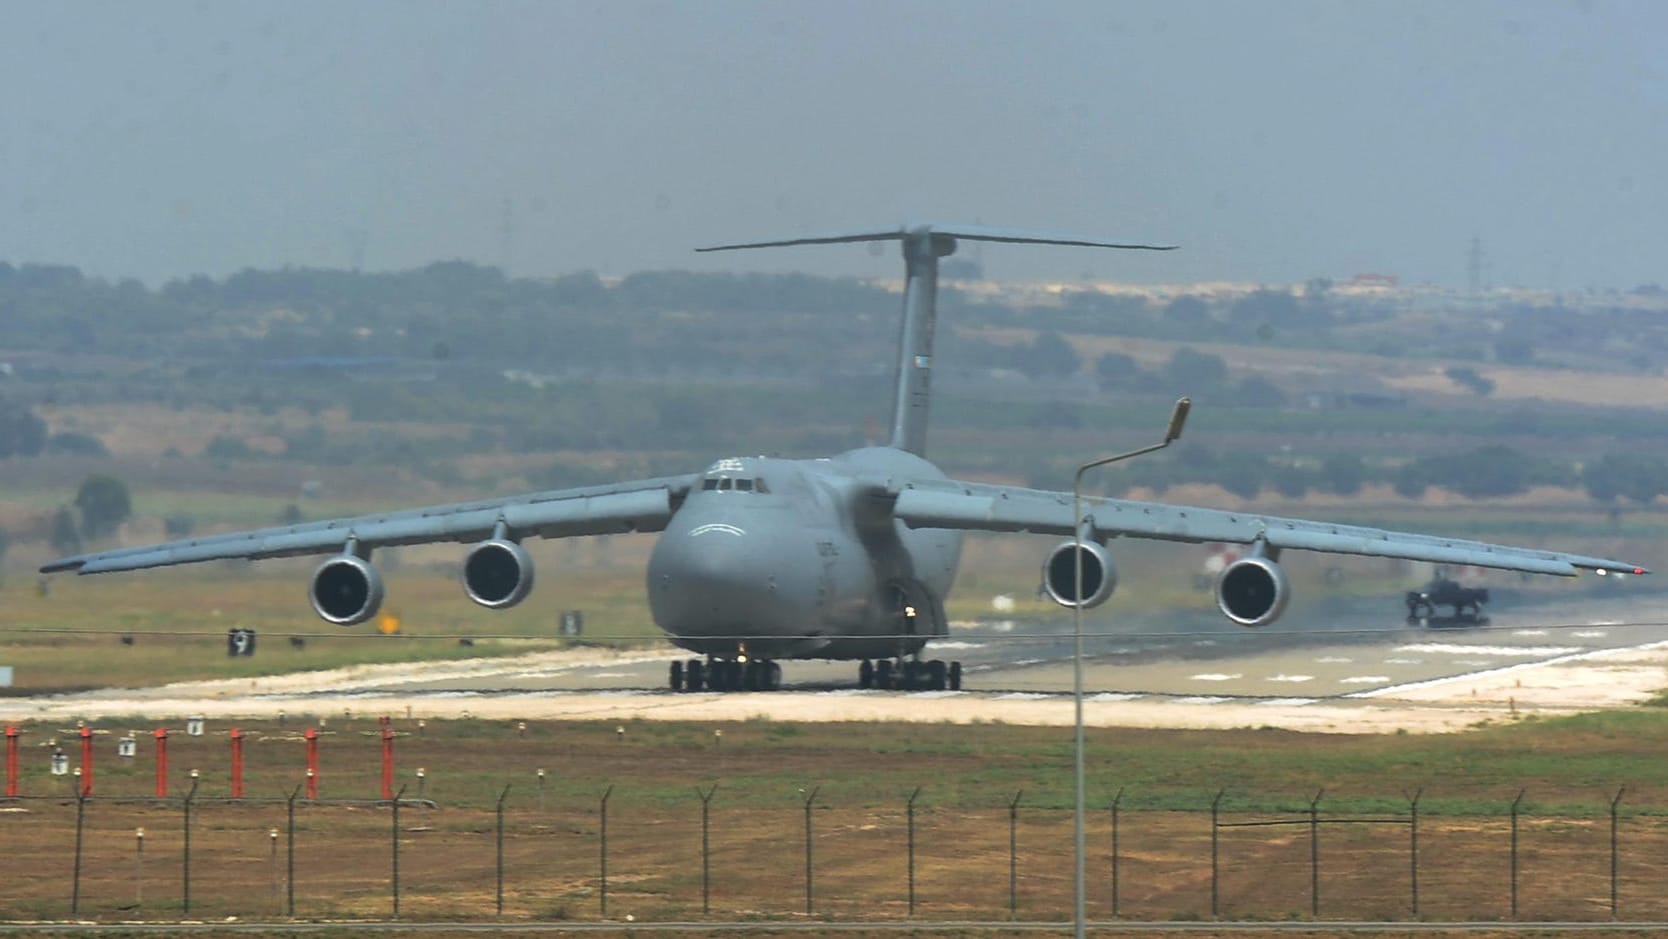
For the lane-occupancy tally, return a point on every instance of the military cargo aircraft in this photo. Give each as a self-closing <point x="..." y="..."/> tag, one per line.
<point x="850" y="557"/>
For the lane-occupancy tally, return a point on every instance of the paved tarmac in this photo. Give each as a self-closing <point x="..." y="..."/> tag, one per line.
<point x="1333" y="665"/>
<point x="1330" y="649"/>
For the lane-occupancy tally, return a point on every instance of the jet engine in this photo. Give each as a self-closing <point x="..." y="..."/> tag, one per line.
<point x="1252" y="591"/>
<point x="346" y="590"/>
<point x="498" y="574"/>
<point x="1059" y="572"/>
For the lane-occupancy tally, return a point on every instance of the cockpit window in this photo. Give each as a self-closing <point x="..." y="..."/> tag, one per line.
<point x="731" y="484"/>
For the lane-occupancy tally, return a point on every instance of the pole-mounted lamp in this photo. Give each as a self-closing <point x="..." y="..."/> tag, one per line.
<point x="1172" y="433"/>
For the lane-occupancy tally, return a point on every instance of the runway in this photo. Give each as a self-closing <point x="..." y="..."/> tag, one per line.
<point x="1344" y="665"/>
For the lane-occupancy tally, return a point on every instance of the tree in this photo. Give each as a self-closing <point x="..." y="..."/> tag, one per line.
<point x="74" y="444"/>
<point x="1343" y="473"/>
<point x="1290" y="480"/>
<point x="1265" y="312"/>
<point x="66" y="539"/>
<point x="1114" y="369"/>
<point x="1412" y="479"/>
<point x="1048" y="356"/>
<point x="1633" y="476"/>
<point x="1470" y="379"/>
<point x="1514" y="349"/>
<point x="22" y="432"/>
<point x="1493" y="470"/>
<point x="1194" y="371"/>
<point x="1242" y="474"/>
<point x="1258" y="392"/>
<point x="104" y="505"/>
<point x="1187" y="310"/>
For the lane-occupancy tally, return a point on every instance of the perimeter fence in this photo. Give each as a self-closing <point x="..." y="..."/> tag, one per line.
<point x="522" y="854"/>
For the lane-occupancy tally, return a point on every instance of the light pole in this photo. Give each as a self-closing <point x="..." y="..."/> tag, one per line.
<point x="1172" y="433"/>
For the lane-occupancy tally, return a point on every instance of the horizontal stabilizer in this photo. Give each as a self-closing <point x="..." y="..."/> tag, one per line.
<point x="968" y="232"/>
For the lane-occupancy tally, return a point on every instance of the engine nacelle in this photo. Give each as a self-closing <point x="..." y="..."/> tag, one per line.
<point x="346" y="590"/>
<point x="498" y="574"/>
<point x="1252" y="591"/>
<point x="1100" y="576"/>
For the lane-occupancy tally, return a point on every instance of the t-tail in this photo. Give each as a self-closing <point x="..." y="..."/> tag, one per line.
<point x="923" y="245"/>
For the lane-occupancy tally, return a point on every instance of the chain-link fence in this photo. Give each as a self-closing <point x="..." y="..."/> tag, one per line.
<point x="521" y="856"/>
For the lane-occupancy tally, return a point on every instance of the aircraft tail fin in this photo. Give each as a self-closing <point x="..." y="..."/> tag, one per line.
<point x="963" y="232"/>
<point x="923" y="245"/>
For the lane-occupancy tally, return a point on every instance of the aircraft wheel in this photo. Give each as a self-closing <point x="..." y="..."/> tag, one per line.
<point x="883" y="674"/>
<point x="750" y="676"/>
<point x="866" y="674"/>
<point x="695" y="676"/>
<point x="937" y="675"/>
<point x="772" y="676"/>
<point x="732" y="675"/>
<point x="677" y="676"/>
<point x="955" y="676"/>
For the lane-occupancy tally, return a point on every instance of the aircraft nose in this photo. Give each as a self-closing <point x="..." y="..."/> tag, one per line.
<point x="715" y="582"/>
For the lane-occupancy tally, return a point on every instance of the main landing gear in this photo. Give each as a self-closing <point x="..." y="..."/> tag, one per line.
<point x="909" y="675"/>
<point x="726" y="675"/>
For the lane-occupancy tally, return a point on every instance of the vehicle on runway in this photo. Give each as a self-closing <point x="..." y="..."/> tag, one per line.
<point x="1467" y="603"/>
<point x="850" y="557"/>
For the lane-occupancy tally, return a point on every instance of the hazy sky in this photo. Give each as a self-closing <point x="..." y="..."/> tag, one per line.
<point x="1276" y="141"/>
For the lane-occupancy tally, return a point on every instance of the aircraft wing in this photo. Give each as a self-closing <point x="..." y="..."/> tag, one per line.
<point x="643" y="505"/>
<point x="981" y="507"/>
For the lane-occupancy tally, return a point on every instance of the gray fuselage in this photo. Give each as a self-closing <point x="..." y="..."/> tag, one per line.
<point x="774" y="558"/>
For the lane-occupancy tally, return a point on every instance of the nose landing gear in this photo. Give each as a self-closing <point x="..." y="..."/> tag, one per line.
<point x="909" y="675"/>
<point x="726" y="675"/>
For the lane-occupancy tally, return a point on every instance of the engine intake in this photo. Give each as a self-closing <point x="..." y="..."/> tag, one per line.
<point x="346" y="590"/>
<point x="498" y="574"/>
<point x="1252" y="591"/>
<point x="1100" y="576"/>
